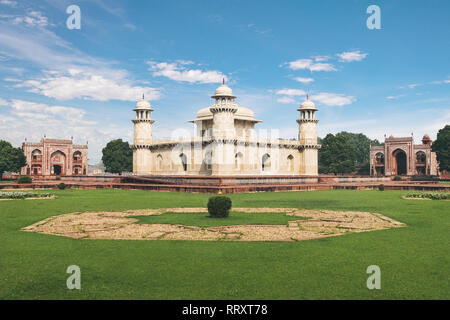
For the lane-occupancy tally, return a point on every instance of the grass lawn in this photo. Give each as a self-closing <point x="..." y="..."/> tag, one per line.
<point x="414" y="260"/>
<point x="202" y="219"/>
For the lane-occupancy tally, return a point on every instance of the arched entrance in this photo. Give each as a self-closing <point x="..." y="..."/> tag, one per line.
<point x="290" y="160"/>
<point x="238" y="165"/>
<point x="400" y="165"/>
<point x="57" y="163"/>
<point x="57" y="170"/>
<point x="183" y="159"/>
<point x="159" y="162"/>
<point x="265" y="162"/>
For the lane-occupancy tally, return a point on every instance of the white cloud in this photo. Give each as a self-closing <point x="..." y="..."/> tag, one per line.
<point x="302" y="64"/>
<point x="322" y="67"/>
<point x="32" y="19"/>
<point x="304" y="80"/>
<point x="12" y="80"/>
<point x="440" y="81"/>
<point x="394" y="97"/>
<point x="321" y="58"/>
<point x="3" y="103"/>
<point x="350" y="56"/>
<point x="178" y="72"/>
<point x="82" y="84"/>
<point x="286" y="100"/>
<point x="332" y="99"/>
<point x="8" y="3"/>
<point x="291" y="92"/>
<point x="43" y="48"/>
<point x="5" y="119"/>
<point x="32" y="110"/>
<point x="325" y="98"/>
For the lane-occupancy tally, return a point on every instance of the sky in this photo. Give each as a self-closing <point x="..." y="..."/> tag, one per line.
<point x="83" y="83"/>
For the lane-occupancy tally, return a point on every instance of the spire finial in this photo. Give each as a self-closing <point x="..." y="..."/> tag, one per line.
<point x="142" y="96"/>
<point x="307" y="96"/>
<point x="223" y="80"/>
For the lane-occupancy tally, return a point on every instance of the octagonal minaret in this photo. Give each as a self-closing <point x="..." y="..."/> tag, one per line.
<point x="307" y="136"/>
<point x="224" y="131"/>
<point x="142" y="137"/>
<point x="223" y="112"/>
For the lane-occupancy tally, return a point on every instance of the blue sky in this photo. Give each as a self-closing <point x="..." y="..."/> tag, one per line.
<point x="84" y="83"/>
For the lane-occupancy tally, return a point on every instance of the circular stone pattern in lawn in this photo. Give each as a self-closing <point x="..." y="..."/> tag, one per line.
<point x="123" y="225"/>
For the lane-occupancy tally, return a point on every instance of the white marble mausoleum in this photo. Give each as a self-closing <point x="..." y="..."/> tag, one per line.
<point x="225" y="143"/>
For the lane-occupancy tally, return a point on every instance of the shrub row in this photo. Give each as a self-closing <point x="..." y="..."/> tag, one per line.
<point x="425" y="178"/>
<point x="24" y="180"/>
<point x="23" y="195"/>
<point x="429" y="195"/>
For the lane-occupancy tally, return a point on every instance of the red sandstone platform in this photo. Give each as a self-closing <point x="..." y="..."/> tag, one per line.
<point x="232" y="184"/>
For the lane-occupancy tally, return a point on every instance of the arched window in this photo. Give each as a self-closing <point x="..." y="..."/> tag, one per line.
<point x="77" y="170"/>
<point x="77" y="156"/>
<point x="159" y="162"/>
<point x="265" y="162"/>
<point x="183" y="159"/>
<point x="290" y="161"/>
<point x="36" y="155"/>
<point x="208" y="160"/>
<point x="379" y="158"/>
<point x="238" y="161"/>
<point x="36" y="169"/>
<point x="421" y="157"/>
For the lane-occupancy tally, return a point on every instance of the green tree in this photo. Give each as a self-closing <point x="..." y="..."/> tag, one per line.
<point x="117" y="157"/>
<point x="11" y="159"/>
<point x="361" y="144"/>
<point x="336" y="155"/>
<point x="442" y="148"/>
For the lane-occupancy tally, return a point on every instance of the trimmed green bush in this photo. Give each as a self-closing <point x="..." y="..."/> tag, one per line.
<point x="58" y="178"/>
<point x="381" y="187"/>
<point x="61" y="186"/>
<point x="24" y="179"/>
<point x="429" y="195"/>
<point x="219" y="206"/>
<point x="23" y="195"/>
<point x="397" y="178"/>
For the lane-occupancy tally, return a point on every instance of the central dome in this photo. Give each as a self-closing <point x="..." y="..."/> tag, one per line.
<point x="143" y="104"/>
<point x="223" y="91"/>
<point x="308" y="105"/>
<point x="242" y="113"/>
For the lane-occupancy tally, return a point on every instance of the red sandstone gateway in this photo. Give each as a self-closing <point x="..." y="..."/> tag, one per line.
<point x="55" y="157"/>
<point x="400" y="156"/>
